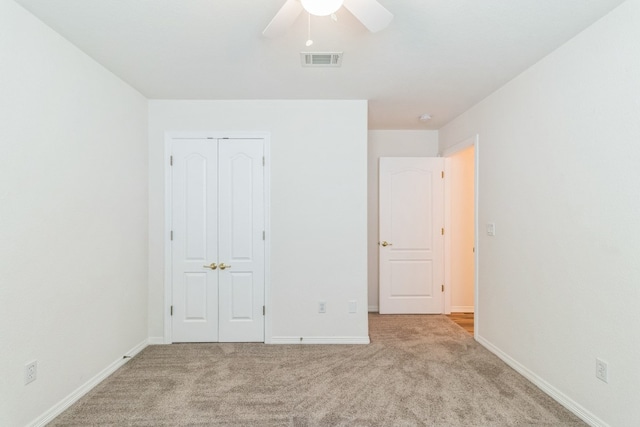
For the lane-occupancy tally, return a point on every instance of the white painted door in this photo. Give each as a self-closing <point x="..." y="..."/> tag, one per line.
<point x="195" y="240"/>
<point x="218" y="247"/>
<point x="241" y="255"/>
<point x="411" y="235"/>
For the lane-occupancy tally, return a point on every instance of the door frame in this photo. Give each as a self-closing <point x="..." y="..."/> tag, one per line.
<point x="472" y="141"/>
<point x="168" y="140"/>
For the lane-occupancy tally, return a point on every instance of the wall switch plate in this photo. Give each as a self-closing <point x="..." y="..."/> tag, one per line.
<point x="30" y="372"/>
<point x="602" y="370"/>
<point x="353" y="306"/>
<point x="491" y="229"/>
<point x="322" y="307"/>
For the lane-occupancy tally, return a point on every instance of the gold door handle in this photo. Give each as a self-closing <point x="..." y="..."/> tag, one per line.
<point x="223" y="266"/>
<point x="385" y="244"/>
<point x="212" y="266"/>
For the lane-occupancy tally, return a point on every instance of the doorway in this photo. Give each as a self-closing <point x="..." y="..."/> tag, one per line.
<point x="461" y="249"/>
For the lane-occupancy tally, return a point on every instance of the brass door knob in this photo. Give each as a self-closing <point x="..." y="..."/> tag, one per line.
<point x="212" y="266"/>
<point x="223" y="266"/>
<point x="385" y="244"/>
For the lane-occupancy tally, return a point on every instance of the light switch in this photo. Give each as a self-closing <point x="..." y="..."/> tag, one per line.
<point x="491" y="229"/>
<point x="353" y="306"/>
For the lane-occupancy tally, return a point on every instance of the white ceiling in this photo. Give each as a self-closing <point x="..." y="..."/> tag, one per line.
<point x="437" y="56"/>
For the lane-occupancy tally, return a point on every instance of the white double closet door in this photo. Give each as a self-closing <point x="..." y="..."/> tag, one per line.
<point x="218" y="247"/>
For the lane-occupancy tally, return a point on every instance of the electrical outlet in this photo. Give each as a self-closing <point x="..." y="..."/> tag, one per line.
<point x="30" y="372"/>
<point x="322" y="307"/>
<point x="491" y="229"/>
<point x="602" y="370"/>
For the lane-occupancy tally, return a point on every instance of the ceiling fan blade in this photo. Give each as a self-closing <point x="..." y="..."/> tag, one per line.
<point x="371" y="13"/>
<point x="283" y="19"/>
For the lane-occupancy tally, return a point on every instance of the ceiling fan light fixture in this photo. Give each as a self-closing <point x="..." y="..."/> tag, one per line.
<point x="321" y="7"/>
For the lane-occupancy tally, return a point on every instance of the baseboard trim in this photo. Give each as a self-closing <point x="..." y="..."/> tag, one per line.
<point x="320" y="340"/>
<point x="374" y="309"/>
<point x="573" y="406"/>
<point x="462" y="309"/>
<point x="72" y="398"/>
<point x="155" y="340"/>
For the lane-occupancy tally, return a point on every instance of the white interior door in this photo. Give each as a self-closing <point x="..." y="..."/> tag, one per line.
<point x="218" y="251"/>
<point x="241" y="219"/>
<point x="195" y="241"/>
<point x="411" y="235"/>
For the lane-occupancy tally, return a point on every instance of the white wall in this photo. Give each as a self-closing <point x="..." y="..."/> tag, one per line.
<point x="460" y="172"/>
<point x="389" y="143"/>
<point x="560" y="177"/>
<point x="73" y="217"/>
<point x="318" y="207"/>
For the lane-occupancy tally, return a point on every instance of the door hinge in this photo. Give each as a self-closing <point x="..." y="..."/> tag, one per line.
<point x="442" y="231"/>
<point x="442" y="174"/>
<point x="442" y="288"/>
<point x="263" y="161"/>
<point x="264" y="235"/>
<point x="172" y="310"/>
<point x="170" y="160"/>
<point x="171" y="234"/>
<point x="264" y="310"/>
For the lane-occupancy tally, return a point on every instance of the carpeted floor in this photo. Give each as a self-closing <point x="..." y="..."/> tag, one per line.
<point x="418" y="371"/>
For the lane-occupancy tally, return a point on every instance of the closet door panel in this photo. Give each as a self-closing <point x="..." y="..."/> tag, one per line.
<point x="241" y="244"/>
<point x="194" y="193"/>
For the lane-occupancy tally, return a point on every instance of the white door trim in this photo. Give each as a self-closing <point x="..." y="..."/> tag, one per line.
<point x="472" y="141"/>
<point x="168" y="138"/>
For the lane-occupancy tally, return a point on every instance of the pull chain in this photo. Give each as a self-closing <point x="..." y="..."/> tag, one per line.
<point x="309" y="41"/>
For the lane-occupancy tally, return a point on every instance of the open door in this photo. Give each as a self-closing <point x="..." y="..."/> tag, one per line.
<point x="411" y="235"/>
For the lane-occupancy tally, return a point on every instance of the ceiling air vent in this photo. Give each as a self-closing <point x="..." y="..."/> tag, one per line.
<point x="321" y="59"/>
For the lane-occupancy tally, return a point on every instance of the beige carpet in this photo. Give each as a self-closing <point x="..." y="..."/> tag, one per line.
<point x="418" y="371"/>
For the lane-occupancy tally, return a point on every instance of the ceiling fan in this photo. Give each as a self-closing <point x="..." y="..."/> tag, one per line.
<point x="371" y="13"/>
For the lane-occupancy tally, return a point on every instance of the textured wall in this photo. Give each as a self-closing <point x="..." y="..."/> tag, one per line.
<point x="73" y="217"/>
<point x="318" y="207"/>
<point x="559" y="176"/>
